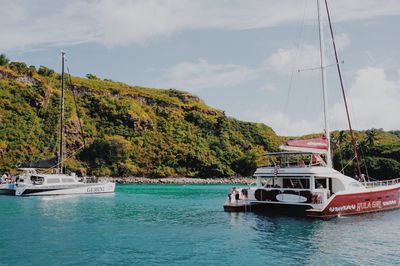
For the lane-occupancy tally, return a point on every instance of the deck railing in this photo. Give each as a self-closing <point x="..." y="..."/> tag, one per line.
<point x="382" y="183"/>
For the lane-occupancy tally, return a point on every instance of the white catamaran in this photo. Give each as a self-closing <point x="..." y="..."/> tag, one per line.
<point x="31" y="183"/>
<point x="303" y="183"/>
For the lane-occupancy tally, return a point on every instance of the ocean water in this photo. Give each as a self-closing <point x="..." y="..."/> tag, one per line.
<point x="183" y="225"/>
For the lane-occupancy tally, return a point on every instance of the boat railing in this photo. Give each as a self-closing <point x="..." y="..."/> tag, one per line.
<point x="382" y="183"/>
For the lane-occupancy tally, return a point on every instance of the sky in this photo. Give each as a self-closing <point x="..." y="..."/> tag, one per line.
<point x="257" y="59"/>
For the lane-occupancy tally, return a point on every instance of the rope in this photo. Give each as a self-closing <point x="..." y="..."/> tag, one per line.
<point x="65" y="159"/>
<point x="347" y="164"/>
<point x="294" y="62"/>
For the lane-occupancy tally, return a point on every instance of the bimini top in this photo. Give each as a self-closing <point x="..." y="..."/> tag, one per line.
<point x="314" y="145"/>
<point x="294" y="159"/>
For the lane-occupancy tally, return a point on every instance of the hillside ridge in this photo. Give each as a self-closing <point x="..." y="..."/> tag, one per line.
<point x="137" y="131"/>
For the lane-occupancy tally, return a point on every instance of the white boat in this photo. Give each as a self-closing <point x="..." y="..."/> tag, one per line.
<point x="300" y="183"/>
<point x="31" y="183"/>
<point x="7" y="189"/>
<point x="303" y="183"/>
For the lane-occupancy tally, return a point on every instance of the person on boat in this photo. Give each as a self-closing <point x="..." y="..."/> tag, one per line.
<point x="236" y="195"/>
<point x="5" y="178"/>
<point x="231" y="192"/>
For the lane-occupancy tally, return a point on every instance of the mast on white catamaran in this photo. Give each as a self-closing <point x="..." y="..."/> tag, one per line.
<point x="61" y="148"/>
<point x="324" y="86"/>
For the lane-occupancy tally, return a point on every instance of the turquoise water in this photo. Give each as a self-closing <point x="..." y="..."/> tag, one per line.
<point x="183" y="225"/>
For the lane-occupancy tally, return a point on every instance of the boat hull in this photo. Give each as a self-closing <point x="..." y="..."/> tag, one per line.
<point x="268" y="208"/>
<point x="85" y="189"/>
<point x="339" y="205"/>
<point x="359" y="203"/>
<point x="7" y="189"/>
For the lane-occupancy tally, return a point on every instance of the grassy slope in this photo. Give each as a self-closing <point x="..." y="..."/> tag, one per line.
<point x="129" y="130"/>
<point x="152" y="132"/>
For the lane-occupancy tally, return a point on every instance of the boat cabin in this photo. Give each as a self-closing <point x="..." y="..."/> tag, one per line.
<point x="45" y="179"/>
<point x="300" y="177"/>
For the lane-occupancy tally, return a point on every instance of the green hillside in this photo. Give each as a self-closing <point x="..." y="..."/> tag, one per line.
<point x="128" y="130"/>
<point x="135" y="131"/>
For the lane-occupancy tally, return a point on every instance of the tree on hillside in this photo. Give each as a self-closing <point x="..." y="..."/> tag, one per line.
<point x="371" y="137"/>
<point x="92" y="76"/>
<point x="342" y="137"/>
<point x="45" y="71"/>
<point x="3" y="60"/>
<point x="107" y="152"/>
<point x="20" y="67"/>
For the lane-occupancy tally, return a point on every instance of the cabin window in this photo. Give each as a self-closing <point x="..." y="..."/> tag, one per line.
<point x="320" y="183"/>
<point x="355" y="184"/>
<point x="53" y="180"/>
<point x="37" y="180"/>
<point x="296" y="183"/>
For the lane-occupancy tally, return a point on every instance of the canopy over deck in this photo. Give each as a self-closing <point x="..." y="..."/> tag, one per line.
<point x="294" y="159"/>
<point x="314" y="145"/>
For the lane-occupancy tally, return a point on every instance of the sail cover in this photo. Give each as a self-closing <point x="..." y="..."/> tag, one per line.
<point x="315" y="145"/>
<point x="41" y="164"/>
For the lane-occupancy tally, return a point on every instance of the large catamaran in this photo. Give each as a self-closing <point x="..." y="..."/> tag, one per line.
<point x="302" y="180"/>
<point x="32" y="183"/>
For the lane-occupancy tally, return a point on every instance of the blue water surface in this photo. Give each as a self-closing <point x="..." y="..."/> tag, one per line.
<point x="183" y="225"/>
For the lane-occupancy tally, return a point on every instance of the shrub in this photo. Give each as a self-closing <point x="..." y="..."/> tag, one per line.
<point x="91" y="76"/>
<point x="20" y="67"/>
<point x="44" y="71"/>
<point x="3" y="60"/>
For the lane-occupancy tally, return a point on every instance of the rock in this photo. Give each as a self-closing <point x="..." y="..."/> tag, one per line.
<point x="183" y="180"/>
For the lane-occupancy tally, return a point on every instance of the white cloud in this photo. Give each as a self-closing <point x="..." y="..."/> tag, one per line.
<point x="374" y="102"/>
<point x="195" y="76"/>
<point x="284" y="60"/>
<point x="282" y="123"/>
<point x="47" y="22"/>
<point x="268" y="87"/>
<point x="342" y="41"/>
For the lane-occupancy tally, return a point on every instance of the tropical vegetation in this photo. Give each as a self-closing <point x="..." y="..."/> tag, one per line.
<point x="128" y="130"/>
<point x="121" y="130"/>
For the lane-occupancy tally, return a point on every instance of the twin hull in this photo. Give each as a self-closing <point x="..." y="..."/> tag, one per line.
<point x="83" y="189"/>
<point x="337" y="205"/>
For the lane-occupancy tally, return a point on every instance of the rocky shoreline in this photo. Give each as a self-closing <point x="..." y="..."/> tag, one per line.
<point x="182" y="180"/>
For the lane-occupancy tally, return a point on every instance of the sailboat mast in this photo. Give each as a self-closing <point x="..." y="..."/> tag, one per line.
<point x="344" y="95"/>
<point x="61" y="149"/>
<point x="324" y="86"/>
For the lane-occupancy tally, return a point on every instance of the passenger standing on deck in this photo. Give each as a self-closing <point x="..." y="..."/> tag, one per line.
<point x="232" y="194"/>
<point x="237" y="195"/>
<point x="4" y="178"/>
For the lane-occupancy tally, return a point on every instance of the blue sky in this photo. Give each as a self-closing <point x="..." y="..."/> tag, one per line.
<point x="239" y="56"/>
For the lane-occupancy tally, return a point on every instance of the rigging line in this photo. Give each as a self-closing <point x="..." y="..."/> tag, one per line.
<point x="65" y="159"/>
<point x="76" y="107"/>
<point x="365" y="163"/>
<point x="356" y="121"/>
<point x="294" y="62"/>
<point x="346" y="165"/>
<point x="343" y="92"/>
<point x="317" y="68"/>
